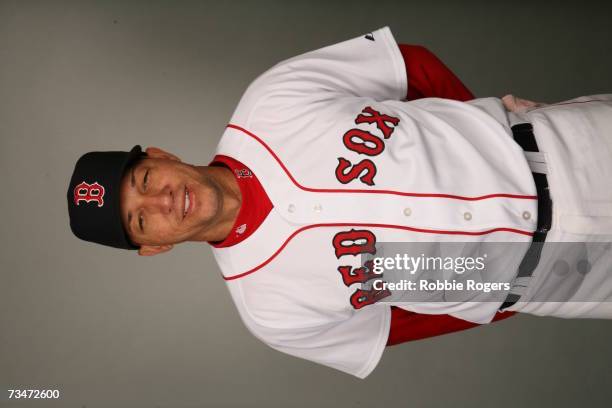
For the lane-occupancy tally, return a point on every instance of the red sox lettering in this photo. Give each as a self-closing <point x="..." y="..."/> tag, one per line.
<point x="364" y="142"/>
<point x="243" y="173"/>
<point x="89" y="192"/>
<point x="380" y="119"/>
<point x="356" y="242"/>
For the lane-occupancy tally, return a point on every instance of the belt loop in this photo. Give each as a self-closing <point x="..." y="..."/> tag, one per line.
<point x="523" y="135"/>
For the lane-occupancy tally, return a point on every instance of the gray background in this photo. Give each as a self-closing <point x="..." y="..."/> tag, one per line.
<point x="108" y="328"/>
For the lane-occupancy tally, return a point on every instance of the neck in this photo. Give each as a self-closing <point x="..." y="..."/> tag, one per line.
<point x="230" y="200"/>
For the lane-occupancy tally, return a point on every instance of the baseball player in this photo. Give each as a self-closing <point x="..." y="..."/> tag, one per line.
<point x="324" y="158"/>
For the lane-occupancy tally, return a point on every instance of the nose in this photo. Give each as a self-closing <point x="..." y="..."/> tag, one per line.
<point x="160" y="202"/>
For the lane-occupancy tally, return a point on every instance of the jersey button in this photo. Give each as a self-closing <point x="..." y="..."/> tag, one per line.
<point x="467" y="215"/>
<point x="526" y="215"/>
<point x="407" y="211"/>
<point x="291" y="208"/>
<point x="317" y="208"/>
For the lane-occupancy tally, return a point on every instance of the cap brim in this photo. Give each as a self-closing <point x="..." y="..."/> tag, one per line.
<point x="134" y="154"/>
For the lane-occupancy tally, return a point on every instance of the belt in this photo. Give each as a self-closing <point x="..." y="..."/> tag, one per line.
<point x="523" y="135"/>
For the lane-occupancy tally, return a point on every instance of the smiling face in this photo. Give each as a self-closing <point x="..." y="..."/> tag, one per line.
<point x="165" y="201"/>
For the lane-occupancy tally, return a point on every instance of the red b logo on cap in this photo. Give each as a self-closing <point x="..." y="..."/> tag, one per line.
<point x="89" y="192"/>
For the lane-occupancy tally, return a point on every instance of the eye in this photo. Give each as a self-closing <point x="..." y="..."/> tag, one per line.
<point x="141" y="222"/>
<point x="145" y="180"/>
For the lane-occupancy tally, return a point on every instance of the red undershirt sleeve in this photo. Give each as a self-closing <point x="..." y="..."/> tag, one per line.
<point x="429" y="77"/>
<point x="408" y="326"/>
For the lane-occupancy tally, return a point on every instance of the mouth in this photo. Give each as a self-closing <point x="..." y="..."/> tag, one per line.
<point x="188" y="203"/>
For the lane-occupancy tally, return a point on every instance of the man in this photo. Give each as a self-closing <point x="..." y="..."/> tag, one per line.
<point x="324" y="160"/>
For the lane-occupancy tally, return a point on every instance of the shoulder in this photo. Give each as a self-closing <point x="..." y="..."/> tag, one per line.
<point x="365" y="65"/>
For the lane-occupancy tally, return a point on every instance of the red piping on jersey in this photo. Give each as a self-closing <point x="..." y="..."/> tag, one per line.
<point x="349" y="190"/>
<point x="428" y="231"/>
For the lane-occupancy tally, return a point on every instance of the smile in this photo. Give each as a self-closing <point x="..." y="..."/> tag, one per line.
<point x="187" y="204"/>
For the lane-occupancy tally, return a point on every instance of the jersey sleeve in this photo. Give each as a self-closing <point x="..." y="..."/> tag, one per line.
<point x="354" y="345"/>
<point x="370" y="65"/>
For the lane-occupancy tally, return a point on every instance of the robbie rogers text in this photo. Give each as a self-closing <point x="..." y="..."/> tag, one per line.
<point x="432" y="285"/>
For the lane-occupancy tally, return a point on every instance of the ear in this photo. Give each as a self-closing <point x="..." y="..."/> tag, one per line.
<point x="150" y="250"/>
<point x="157" y="153"/>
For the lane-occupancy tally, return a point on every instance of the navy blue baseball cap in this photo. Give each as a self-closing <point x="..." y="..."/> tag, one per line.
<point x="93" y="197"/>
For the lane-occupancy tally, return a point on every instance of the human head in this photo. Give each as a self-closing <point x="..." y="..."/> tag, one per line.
<point x="164" y="201"/>
<point x="149" y="201"/>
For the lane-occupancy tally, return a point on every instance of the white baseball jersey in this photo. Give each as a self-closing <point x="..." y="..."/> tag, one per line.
<point x="346" y="164"/>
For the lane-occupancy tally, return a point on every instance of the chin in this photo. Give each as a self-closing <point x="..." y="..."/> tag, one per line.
<point x="210" y="209"/>
<point x="215" y="203"/>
